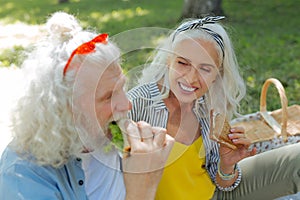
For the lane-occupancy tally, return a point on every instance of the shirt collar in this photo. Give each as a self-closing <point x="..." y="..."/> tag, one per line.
<point x="155" y="93"/>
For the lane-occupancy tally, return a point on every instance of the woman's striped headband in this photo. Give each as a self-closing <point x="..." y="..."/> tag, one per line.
<point x="198" y="24"/>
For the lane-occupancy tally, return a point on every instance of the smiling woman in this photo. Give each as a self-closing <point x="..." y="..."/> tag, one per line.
<point x="194" y="72"/>
<point x="189" y="60"/>
<point x="186" y="78"/>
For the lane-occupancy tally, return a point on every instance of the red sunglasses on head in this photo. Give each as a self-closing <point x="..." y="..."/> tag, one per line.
<point x="86" y="48"/>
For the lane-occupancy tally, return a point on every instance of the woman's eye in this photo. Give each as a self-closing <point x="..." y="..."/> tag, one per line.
<point x="206" y="69"/>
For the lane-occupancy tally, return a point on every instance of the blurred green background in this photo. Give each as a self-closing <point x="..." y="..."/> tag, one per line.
<point x="265" y="34"/>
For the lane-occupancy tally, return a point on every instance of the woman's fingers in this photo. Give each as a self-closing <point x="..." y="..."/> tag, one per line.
<point x="237" y="129"/>
<point x="237" y="136"/>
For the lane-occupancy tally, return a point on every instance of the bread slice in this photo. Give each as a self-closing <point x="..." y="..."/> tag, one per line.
<point x="219" y="129"/>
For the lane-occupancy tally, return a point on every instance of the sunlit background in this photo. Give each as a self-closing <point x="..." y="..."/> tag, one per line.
<point x="265" y="36"/>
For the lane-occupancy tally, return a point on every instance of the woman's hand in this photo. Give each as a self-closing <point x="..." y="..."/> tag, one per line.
<point x="228" y="156"/>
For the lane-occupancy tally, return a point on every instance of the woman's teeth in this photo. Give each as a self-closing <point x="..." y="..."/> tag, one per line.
<point x="185" y="88"/>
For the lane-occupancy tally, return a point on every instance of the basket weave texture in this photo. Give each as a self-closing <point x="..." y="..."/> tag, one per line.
<point x="280" y="126"/>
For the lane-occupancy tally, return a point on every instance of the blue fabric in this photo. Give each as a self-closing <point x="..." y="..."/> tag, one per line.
<point x="103" y="176"/>
<point x="22" y="179"/>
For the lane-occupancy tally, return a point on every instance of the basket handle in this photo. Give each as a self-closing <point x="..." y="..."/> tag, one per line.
<point x="284" y="104"/>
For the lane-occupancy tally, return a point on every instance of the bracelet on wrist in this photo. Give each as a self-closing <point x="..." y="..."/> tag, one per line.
<point x="226" y="177"/>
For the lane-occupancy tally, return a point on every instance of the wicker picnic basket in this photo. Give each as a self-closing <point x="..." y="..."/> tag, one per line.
<point x="281" y="126"/>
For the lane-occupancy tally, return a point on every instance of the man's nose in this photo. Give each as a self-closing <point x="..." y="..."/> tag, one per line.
<point x="123" y="103"/>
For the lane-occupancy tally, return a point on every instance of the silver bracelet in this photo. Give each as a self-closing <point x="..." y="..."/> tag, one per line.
<point x="234" y="185"/>
<point x="226" y="177"/>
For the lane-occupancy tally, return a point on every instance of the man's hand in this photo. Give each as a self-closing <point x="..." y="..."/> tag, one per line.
<point x="143" y="168"/>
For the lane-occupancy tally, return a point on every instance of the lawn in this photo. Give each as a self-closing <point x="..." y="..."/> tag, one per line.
<point x="265" y="34"/>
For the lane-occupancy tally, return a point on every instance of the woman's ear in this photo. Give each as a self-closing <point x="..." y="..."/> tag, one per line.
<point x="221" y="70"/>
<point x="168" y="61"/>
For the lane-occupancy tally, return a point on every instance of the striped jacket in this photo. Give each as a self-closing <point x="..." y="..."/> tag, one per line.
<point x="149" y="107"/>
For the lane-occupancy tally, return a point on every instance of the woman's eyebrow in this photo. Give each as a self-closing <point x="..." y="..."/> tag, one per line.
<point x="207" y="64"/>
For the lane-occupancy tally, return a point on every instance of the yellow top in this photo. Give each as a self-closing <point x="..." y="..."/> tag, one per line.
<point x="185" y="176"/>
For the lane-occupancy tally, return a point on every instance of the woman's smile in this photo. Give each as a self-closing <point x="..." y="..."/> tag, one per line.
<point x="186" y="89"/>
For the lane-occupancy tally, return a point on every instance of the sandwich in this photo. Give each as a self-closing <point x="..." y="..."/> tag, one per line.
<point x="219" y="129"/>
<point x="118" y="137"/>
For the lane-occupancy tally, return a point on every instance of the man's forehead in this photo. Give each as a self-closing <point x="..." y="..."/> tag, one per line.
<point x="113" y="72"/>
<point x="111" y="78"/>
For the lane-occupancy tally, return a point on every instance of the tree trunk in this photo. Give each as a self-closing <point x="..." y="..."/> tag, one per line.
<point x="63" y="1"/>
<point x="201" y="8"/>
<point x="218" y="10"/>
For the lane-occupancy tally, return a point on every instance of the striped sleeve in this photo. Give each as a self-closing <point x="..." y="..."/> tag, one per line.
<point x="144" y="108"/>
<point x="212" y="150"/>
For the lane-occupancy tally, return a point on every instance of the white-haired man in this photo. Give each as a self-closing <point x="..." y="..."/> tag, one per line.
<point x="60" y="123"/>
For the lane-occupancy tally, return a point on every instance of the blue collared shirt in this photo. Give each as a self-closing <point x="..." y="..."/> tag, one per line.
<point x="103" y="175"/>
<point x="23" y="179"/>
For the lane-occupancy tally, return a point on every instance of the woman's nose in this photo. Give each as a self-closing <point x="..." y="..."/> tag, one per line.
<point x="193" y="74"/>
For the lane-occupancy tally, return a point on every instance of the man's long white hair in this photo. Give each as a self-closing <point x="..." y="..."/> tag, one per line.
<point x="43" y="127"/>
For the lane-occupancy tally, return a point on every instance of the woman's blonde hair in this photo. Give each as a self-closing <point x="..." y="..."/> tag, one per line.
<point x="229" y="86"/>
<point x="43" y="127"/>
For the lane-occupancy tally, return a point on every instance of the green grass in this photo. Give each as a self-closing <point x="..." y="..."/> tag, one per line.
<point x="14" y="55"/>
<point x="265" y="34"/>
<point x="267" y="45"/>
<point x="113" y="16"/>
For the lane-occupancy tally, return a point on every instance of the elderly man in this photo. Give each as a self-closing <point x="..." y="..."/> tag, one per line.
<point x="60" y="123"/>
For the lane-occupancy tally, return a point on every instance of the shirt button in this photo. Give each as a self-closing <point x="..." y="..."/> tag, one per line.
<point x="80" y="182"/>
